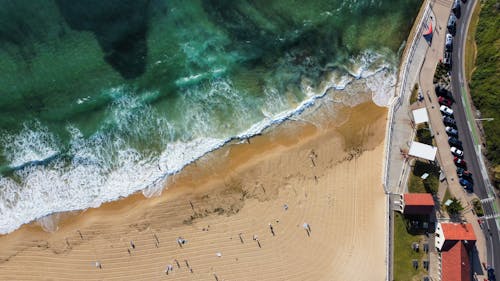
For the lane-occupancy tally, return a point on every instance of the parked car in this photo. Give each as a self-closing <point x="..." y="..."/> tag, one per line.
<point x="446" y="110"/>
<point x="448" y="42"/>
<point x="447" y="59"/>
<point x="467" y="175"/>
<point x="459" y="162"/>
<point x="456" y="8"/>
<point x="452" y="24"/>
<point x="448" y="121"/>
<point x="451" y="132"/>
<point x="444" y="101"/>
<point x="442" y="92"/>
<point x="457" y="152"/>
<point x="460" y="171"/>
<point x="466" y="184"/>
<point x="455" y="142"/>
<point x="491" y="274"/>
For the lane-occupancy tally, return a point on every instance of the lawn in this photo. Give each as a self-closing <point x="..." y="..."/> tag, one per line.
<point x="417" y="185"/>
<point x="485" y="85"/>
<point x="404" y="254"/>
<point x="470" y="43"/>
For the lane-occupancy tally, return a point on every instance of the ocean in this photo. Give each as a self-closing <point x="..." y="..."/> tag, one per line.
<point x="101" y="99"/>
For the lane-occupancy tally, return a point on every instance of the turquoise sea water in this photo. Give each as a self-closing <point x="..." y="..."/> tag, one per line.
<point x="99" y="99"/>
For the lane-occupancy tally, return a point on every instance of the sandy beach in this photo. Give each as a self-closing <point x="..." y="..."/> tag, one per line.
<point x="301" y="203"/>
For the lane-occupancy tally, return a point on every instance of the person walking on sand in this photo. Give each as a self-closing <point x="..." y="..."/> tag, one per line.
<point x="132" y="244"/>
<point x="307" y="228"/>
<point x="272" y="229"/>
<point x="256" y="238"/>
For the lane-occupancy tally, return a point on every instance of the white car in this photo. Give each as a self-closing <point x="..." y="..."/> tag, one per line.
<point x="457" y="152"/>
<point x="446" y="110"/>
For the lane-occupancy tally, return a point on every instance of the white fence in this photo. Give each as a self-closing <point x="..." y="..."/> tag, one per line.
<point x="394" y="105"/>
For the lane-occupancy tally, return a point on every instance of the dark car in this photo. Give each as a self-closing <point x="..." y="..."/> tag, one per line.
<point x="467" y="175"/>
<point x="448" y="121"/>
<point x="466" y="184"/>
<point x="445" y="101"/>
<point x="442" y="92"/>
<point x="462" y="173"/>
<point x="460" y="162"/>
<point x="454" y="142"/>
<point x="456" y="8"/>
<point x="491" y="274"/>
<point x="448" y="43"/>
<point x="452" y="24"/>
<point x="451" y="132"/>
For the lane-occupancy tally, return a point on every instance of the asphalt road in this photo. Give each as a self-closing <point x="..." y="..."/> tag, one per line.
<point x="459" y="94"/>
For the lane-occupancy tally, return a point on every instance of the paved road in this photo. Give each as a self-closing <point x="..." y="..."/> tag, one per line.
<point x="466" y="136"/>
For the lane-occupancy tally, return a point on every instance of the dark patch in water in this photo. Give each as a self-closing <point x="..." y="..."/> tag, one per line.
<point x="120" y="28"/>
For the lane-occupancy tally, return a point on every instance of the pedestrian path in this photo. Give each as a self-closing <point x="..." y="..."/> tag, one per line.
<point x="434" y="54"/>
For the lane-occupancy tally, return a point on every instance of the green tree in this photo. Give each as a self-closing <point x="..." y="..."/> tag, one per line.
<point x="455" y="207"/>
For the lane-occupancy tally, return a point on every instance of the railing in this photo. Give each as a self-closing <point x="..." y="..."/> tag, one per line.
<point x="397" y="101"/>
<point x="394" y="105"/>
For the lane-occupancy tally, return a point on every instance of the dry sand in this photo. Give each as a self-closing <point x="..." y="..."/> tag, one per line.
<point x="329" y="177"/>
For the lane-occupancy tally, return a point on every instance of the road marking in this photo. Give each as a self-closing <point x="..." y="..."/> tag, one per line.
<point x="468" y="113"/>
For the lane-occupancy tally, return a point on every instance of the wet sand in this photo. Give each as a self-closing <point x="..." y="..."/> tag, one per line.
<point x="328" y="177"/>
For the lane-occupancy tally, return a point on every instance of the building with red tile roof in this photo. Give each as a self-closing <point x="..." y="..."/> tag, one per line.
<point x="455" y="242"/>
<point x="448" y="233"/>
<point x="417" y="204"/>
<point x="455" y="263"/>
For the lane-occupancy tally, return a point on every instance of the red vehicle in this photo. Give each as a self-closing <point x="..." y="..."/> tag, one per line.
<point x="460" y="162"/>
<point x="445" y="101"/>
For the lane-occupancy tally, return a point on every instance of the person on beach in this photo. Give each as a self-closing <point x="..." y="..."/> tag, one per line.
<point x="132" y="244"/>
<point x="272" y="229"/>
<point x="168" y="269"/>
<point x="181" y="241"/>
<point x="98" y="265"/>
<point x="307" y="228"/>
<point x="256" y="238"/>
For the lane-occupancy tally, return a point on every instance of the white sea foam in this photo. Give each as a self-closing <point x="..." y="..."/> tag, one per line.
<point x="33" y="143"/>
<point x="104" y="167"/>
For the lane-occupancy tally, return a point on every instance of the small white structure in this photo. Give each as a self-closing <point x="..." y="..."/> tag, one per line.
<point x="420" y="115"/>
<point x="424" y="151"/>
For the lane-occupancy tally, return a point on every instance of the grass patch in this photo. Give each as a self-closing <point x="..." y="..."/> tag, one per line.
<point x="404" y="254"/>
<point x="470" y="43"/>
<point x="417" y="185"/>
<point x="414" y="94"/>
<point x="485" y="85"/>
<point x="478" y="208"/>
<point x="423" y="134"/>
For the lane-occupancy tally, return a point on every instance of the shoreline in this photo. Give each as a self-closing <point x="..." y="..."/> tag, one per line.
<point x="343" y="98"/>
<point x="226" y="186"/>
